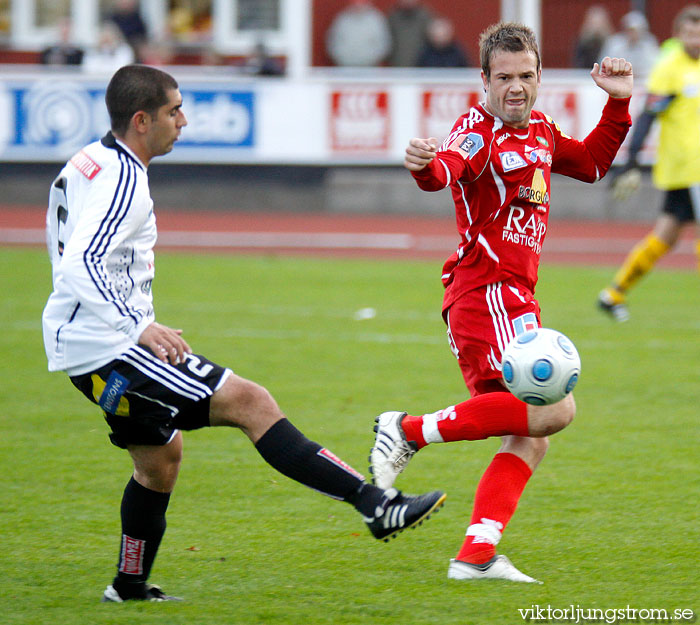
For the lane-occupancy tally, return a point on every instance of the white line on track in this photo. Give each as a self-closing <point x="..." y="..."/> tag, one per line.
<point x="346" y="241"/>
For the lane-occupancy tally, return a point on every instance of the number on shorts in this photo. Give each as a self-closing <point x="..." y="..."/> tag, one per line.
<point x="195" y="366"/>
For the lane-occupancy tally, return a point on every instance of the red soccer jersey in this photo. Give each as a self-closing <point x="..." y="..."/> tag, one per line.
<point x="500" y="182"/>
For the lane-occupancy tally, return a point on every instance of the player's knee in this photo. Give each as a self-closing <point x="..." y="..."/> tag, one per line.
<point x="531" y="450"/>
<point x="253" y="399"/>
<point x="157" y="468"/>
<point x="242" y="403"/>
<point x="547" y="420"/>
<point x="172" y="456"/>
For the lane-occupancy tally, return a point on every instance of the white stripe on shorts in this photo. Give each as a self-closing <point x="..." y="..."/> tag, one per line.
<point x="499" y="315"/>
<point x="165" y="374"/>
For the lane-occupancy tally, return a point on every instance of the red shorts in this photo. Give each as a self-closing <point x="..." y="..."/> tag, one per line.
<point x="480" y="323"/>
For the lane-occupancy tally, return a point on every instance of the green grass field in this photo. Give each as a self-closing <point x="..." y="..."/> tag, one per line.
<point x="609" y="520"/>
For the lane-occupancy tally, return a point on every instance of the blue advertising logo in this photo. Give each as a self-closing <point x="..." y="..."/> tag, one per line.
<point x="56" y="118"/>
<point x="57" y="114"/>
<point x="218" y="118"/>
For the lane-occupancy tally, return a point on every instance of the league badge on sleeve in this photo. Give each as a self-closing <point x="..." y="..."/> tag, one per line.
<point x="471" y="145"/>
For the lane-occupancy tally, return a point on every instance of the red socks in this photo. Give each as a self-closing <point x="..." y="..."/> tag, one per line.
<point x="500" y="488"/>
<point x="495" y="502"/>
<point x="491" y="414"/>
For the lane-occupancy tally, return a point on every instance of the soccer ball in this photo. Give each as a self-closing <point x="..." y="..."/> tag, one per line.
<point x="541" y="366"/>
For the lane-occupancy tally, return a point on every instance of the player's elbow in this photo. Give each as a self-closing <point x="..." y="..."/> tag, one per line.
<point x="429" y="184"/>
<point x="594" y="174"/>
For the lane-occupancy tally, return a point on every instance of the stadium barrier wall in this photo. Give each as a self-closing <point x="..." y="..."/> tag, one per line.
<point x="331" y="143"/>
<point x="330" y="118"/>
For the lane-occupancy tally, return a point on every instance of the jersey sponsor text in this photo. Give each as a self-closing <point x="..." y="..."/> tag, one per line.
<point x="529" y="234"/>
<point x="85" y="165"/>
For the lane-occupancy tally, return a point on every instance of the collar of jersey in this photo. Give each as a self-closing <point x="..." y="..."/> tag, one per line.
<point x="110" y="141"/>
<point x="520" y="133"/>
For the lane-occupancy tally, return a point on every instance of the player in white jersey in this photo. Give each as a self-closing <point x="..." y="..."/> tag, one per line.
<point x="100" y="328"/>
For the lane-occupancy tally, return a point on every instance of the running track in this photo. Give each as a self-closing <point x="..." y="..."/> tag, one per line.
<point x="369" y="236"/>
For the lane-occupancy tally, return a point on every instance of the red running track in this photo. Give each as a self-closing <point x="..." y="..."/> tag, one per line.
<point x="368" y="236"/>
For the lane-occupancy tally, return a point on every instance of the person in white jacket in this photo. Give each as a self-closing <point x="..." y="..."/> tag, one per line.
<point x="359" y="36"/>
<point x="101" y="329"/>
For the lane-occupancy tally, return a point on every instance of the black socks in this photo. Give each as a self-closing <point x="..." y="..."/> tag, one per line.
<point x="143" y="525"/>
<point x="286" y="449"/>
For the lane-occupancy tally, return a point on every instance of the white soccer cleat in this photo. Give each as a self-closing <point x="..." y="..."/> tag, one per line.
<point x="498" y="567"/>
<point x="391" y="451"/>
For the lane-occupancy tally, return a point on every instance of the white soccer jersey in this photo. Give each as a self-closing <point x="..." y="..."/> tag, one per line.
<point x="100" y="234"/>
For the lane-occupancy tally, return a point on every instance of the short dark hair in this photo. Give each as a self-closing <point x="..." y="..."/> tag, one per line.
<point x="506" y="37"/>
<point x="136" y="88"/>
<point x="691" y="14"/>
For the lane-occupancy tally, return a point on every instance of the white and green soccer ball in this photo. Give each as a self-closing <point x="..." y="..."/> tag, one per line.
<point x="541" y="366"/>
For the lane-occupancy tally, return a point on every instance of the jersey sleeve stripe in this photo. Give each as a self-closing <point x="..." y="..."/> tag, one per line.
<point x="94" y="255"/>
<point x="127" y="189"/>
<point x="466" y="203"/>
<point x="447" y="173"/>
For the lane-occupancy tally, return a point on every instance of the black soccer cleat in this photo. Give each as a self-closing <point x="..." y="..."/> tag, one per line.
<point x="398" y="512"/>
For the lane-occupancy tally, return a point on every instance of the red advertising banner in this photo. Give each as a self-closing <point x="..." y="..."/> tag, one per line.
<point x="359" y="120"/>
<point x="561" y="104"/>
<point x="440" y="108"/>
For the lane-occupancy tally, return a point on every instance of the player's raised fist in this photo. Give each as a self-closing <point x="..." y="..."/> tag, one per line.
<point x="614" y="76"/>
<point x="419" y="153"/>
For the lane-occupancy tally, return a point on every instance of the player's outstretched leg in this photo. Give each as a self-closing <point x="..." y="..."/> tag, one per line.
<point x="386" y="512"/>
<point x="245" y="404"/>
<point x="400" y="436"/>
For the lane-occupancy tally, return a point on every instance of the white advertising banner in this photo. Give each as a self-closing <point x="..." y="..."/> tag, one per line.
<point x="322" y="120"/>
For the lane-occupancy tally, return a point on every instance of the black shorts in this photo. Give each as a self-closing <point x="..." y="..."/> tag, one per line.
<point x="683" y="204"/>
<point x="146" y="401"/>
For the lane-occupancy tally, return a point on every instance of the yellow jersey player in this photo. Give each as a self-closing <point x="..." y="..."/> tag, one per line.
<point x="674" y="100"/>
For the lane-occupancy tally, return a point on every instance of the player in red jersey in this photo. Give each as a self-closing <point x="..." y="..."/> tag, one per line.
<point x="497" y="162"/>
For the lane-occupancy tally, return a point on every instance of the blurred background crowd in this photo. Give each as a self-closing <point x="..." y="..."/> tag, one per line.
<point x="254" y="36"/>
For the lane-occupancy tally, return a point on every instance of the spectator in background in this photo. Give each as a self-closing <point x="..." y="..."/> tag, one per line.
<point x="260" y="63"/>
<point x="595" y="30"/>
<point x="634" y="43"/>
<point x="408" y="23"/>
<point x="156" y="53"/>
<point x="126" y="15"/>
<point x="190" y="24"/>
<point x="64" y="52"/>
<point x="111" y="52"/>
<point x="441" y="48"/>
<point x="358" y="36"/>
